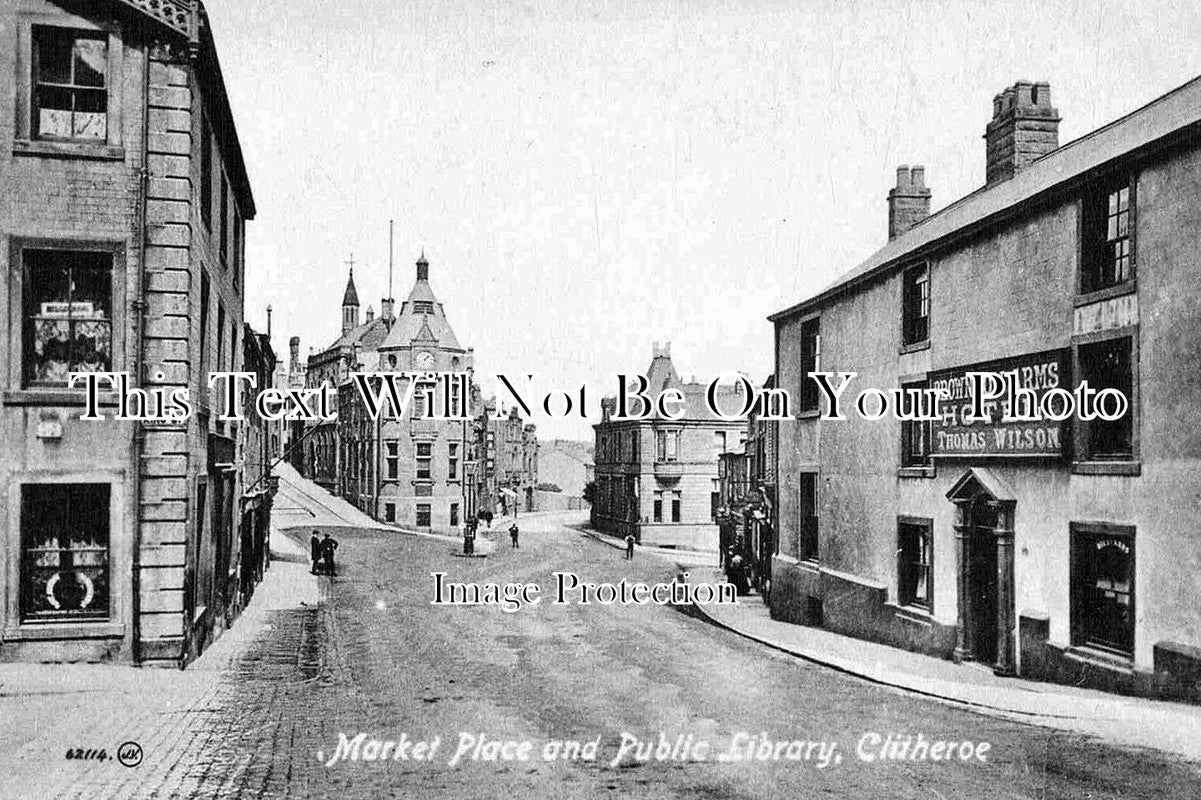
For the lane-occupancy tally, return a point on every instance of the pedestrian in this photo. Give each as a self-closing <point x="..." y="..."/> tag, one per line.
<point x="328" y="545"/>
<point x="513" y="535"/>
<point x="468" y="540"/>
<point x="314" y="552"/>
<point x="629" y="546"/>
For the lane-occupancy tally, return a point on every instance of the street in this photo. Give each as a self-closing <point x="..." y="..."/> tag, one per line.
<point x="374" y="657"/>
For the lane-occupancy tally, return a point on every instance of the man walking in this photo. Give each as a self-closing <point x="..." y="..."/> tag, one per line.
<point x="513" y="536"/>
<point x="328" y="545"/>
<point x="314" y="552"/>
<point x="629" y="546"/>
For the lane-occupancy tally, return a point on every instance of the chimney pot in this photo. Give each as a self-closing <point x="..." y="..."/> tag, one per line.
<point x="908" y="201"/>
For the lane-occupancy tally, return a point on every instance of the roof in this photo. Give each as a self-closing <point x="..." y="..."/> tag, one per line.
<point x="412" y="324"/>
<point x="351" y="297"/>
<point x="1159" y="119"/>
<point x="368" y="336"/>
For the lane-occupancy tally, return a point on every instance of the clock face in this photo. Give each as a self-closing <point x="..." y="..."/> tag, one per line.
<point x="425" y="360"/>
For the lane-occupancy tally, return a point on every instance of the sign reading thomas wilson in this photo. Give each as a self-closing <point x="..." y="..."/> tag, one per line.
<point x="955" y="434"/>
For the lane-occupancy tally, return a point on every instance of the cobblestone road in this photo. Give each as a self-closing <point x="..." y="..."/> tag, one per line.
<point x="370" y="654"/>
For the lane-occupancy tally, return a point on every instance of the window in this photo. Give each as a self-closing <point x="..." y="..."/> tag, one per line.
<point x="392" y="460"/>
<point x="668" y="445"/>
<point x="220" y="337"/>
<point x="1103" y="587"/>
<point x="915" y="560"/>
<point x="452" y="469"/>
<point x="64" y="548"/>
<point x="70" y="85"/>
<point x="423" y="515"/>
<point x="423" y="307"/>
<point x="715" y="498"/>
<point x="1107" y="258"/>
<point x="424" y="458"/>
<point x="68" y="314"/>
<point x="915" y="305"/>
<point x="676" y="502"/>
<point x="204" y="324"/>
<point x="223" y="223"/>
<point x="810" y="356"/>
<point x="719" y="441"/>
<point x="454" y="515"/>
<point x="206" y="172"/>
<point x="658" y="506"/>
<point x="807" y="546"/>
<point x="389" y="512"/>
<point x="915" y="434"/>
<point x="1109" y="365"/>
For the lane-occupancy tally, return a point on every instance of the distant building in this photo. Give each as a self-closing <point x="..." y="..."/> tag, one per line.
<point x="657" y="478"/>
<point x="1059" y="550"/>
<point x="568" y="465"/>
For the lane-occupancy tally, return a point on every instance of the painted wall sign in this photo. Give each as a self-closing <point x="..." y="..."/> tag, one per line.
<point x="1106" y="315"/>
<point x="955" y="434"/>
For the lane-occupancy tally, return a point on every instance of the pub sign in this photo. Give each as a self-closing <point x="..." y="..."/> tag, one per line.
<point x="956" y="434"/>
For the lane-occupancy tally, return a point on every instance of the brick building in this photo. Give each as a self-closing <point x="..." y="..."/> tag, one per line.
<point x="657" y="478"/>
<point x="1060" y="551"/>
<point x="125" y="197"/>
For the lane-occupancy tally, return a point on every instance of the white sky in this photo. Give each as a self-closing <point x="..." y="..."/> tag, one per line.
<point x="587" y="178"/>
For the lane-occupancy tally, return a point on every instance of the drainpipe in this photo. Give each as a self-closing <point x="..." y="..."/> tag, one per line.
<point x="139" y="310"/>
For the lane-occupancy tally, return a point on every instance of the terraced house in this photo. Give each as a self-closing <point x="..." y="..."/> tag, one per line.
<point x="1064" y="551"/>
<point x="124" y="203"/>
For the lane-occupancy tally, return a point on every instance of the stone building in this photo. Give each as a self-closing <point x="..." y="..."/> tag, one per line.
<point x="657" y="478"/>
<point x="124" y="202"/>
<point x="1063" y="551"/>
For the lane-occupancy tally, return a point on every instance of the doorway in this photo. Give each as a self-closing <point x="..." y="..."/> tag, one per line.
<point x="982" y="578"/>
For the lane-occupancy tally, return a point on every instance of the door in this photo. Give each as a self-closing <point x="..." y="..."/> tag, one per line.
<point x="982" y="579"/>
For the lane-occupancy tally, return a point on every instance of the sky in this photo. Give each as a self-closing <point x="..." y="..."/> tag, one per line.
<point x="588" y="178"/>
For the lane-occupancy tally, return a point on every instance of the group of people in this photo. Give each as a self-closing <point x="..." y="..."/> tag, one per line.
<point x="321" y="552"/>
<point x="469" y="531"/>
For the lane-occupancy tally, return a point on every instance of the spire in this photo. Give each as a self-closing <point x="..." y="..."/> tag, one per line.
<point x="423" y="267"/>
<point x="350" y="302"/>
<point x="351" y="297"/>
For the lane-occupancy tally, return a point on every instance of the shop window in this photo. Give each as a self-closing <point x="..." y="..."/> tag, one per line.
<point x="70" y="85"/>
<point x="915" y="316"/>
<point x="392" y="460"/>
<point x="915" y="563"/>
<point x="807" y="544"/>
<point x="810" y="360"/>
<point x="424" y="460"/>
<point x="915" y="434"/>
<point x="676" y="503"/>
<point x="423" y="515"/>
<point x="65" y="551"/>
<point x="1107" y="257"/>
<point x="657" y="509"/>
<point x="1103" y="587"/>
<point x="68" y="314"/>
<point x="1109" y="365"/>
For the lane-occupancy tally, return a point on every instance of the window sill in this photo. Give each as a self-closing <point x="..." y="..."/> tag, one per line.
<point x="1107" y="468"/>
<point x="916" y="472"/>
<point x="48" y="396"/>
<point x="75" y="629"/>
<point x="915" y="347"/>
<point x="919" y="614"/>
<point x="47" y="149"/>
<point x="1108" y="293"/>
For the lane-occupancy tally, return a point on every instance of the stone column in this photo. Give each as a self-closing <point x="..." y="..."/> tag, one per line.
<point x="964" y="647"/>
<point x="1006" y="618"/>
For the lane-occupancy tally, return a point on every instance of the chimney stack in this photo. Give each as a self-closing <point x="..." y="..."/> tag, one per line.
<point x="294" y="360"/>
<point x="1024" y="127"/>
<point x="370" y="314"/>
<point x="908" y="201"/>
<point x="385" y="309"/>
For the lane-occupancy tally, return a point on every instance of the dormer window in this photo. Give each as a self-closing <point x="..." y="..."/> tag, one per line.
<point x="423" y="307"/>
